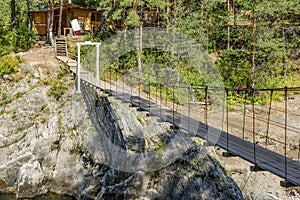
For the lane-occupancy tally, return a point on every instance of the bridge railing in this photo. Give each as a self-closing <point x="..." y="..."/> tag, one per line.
<point x="265" y="117"/>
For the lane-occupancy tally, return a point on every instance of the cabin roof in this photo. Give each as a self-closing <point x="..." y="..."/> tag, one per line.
<point x="72" y="6"/>
<point x="67" y="5"/>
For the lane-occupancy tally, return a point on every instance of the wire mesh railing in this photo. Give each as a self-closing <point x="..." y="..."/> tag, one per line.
<point x="271" y="124"/>
<point x="266" y="118"/>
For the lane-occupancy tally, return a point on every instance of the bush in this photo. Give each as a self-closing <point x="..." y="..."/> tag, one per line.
<point x="17" y="40"/>
<point x="8" y="65"/>
<point x="58" y="88"/>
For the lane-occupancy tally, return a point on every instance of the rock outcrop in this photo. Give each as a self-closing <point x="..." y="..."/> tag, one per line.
<point x="70" y="145"/>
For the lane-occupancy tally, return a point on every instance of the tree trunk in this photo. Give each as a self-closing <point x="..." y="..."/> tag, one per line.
<point x="228" y="25"/>
<point x="175" y="8"/>
<point x="284" y="43"/>
<point x="28" y="15"/>
<point x="50" y="23"/>
<point x="253" y="45"/>
<point x="234" y="12"/>
<point x="157" y="16"/>
<point x="13" y="14"/>
<point x="60" y="18"/>
<point x="139" y="53"/>
<point x="139" y="49"/>
<point x="168" y="15"/>
<point x="202" y="13"/>
<point x="134" y="5"/>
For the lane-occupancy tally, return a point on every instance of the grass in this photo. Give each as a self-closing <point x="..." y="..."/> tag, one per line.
<point x="43" y="107"/>
<point x="61" y="130"/>
<point x="43" y="119"/>
<point x="264" y="136"/>
<point x="139" y="118"/>
<point x="19" y="94"/>
<point x="14" y="113"/>
<point x="57" y="88"/>
<point x="159" y="146"/>
<point x="93" y="128"/>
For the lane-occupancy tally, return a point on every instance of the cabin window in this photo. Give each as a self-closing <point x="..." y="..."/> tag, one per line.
<point x="95" y="17"/>
<point x="38" y="20"/>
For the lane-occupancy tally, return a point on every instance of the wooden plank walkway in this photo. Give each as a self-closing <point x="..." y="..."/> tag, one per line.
<point x="268" y="160"/>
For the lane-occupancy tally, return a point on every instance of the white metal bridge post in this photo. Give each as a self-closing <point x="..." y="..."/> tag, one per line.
<point x="97" y="61"/>
<point x="78" y="67"/>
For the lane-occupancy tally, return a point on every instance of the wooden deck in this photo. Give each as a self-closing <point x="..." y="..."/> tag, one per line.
<point x="263" y="158"/>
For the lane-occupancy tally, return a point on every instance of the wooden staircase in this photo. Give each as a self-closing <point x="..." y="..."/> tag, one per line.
<point x="61" y="47"/>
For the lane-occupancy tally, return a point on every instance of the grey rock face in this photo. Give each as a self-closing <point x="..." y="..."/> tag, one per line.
<point x="58" y="146"/>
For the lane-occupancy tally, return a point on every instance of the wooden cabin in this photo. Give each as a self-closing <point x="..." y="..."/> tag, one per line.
<point x="88" y="19"/>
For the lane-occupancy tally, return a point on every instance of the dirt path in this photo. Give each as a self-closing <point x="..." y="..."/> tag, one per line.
<point x="40" y="53"/>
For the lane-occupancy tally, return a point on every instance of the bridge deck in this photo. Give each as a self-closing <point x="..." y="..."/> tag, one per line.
<point x="268" y="160"/>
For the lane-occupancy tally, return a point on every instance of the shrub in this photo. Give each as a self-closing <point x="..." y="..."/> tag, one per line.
<point x="8" y="65"/>
<point x="17" y="40"/>
<point x="57" y="89"/>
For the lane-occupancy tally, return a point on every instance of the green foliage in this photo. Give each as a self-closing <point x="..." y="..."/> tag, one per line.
<point x="43" y="119"/>
<point x="57" y="89"/>
<point x="84" y="50"/>
<point x="20" y="38"/>
<point x="4" y="15"/>
<point x="58" y="86"/>
<point x="133" y="19"/>
<point x="235" y="67"/>
<point x="265" y="136"/>
<point x="270" y="51"/>
<point x="19" y="94"/>
<point x="4" y="98"/>
<point x="235" y="98"/>
<point x="139" y="118"/>
<point x="8" y="65"/>
<point x="14" y="113"/>
<point x="124" y="15"/>
<point x="17" y="40"/>
<point x="159" y="146"/>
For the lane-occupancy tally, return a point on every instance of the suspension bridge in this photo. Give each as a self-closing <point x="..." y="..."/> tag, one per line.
<point x="241" y="128"/>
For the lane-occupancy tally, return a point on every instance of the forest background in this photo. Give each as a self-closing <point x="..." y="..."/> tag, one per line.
<point x="255" y="44"/>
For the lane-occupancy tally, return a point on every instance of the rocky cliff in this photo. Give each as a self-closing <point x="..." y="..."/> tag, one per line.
<point x="91" y="146"/>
